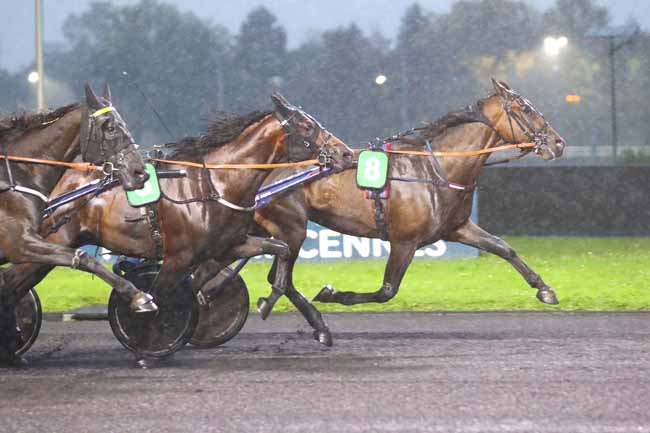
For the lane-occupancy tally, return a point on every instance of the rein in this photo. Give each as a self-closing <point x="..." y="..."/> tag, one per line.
<point x="238" y="166"/>
<point x="467" y="153"/>
<point x="84" y="166"/>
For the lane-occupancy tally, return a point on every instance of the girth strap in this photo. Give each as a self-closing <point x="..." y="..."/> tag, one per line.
<point x="380" y="216"/>
<point x="151" y="215"/>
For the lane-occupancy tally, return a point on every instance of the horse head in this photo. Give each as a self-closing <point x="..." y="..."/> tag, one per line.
<point x="517" y="121"/>
<point x="306" y="138"/>
<point x="106" y="141"/>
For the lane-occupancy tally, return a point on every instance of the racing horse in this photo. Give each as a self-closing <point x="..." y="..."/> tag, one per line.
<point x="35" y="149"/>
<point x="429" y="199"/>
<point x="207" y="214"/>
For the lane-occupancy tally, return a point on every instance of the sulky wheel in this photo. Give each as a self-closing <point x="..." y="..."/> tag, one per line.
<point x="29" y="317"/>
<point x="156" y="334"/>
<point x="224" y="315"/>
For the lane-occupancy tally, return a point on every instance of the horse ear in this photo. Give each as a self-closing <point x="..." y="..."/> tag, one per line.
<point x="91" y="99"/>
<point x="107" y="92"/>
<point x="498" y="87"/>
<point x="281" y="104"/>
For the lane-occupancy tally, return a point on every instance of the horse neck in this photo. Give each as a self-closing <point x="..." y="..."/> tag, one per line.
<point x="468" y="137"/>
<point x="260" y="143"/>
<point x="58" y="141"/>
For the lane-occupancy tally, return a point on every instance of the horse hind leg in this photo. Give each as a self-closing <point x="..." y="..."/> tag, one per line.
<point x="401" y="255"/>
<point x="473" y="235"/>
<point x="9" y="333"/>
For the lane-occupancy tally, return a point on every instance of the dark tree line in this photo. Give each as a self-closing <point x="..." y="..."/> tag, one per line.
<point x="190" y="67"/>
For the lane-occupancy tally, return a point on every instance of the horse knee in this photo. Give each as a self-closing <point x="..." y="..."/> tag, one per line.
<point x="506" y="251"/>
<point x="282" y="249"/>
<point x="387" y="292"/>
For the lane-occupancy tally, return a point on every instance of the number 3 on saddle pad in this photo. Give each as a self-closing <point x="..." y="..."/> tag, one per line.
<point x="149" y="193"/>
<point x="372" y="170"/>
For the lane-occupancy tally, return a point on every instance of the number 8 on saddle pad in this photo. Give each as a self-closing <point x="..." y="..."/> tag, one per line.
<point x="372" y="170"/>
<point x="149" y="193"/>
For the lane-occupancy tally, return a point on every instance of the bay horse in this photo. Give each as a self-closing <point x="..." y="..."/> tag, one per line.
<point x="424" y="205"/>
<point x="94" y="132"/>
<point x="193" y="226"/>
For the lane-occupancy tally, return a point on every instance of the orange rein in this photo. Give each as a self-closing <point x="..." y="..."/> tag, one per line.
<point x="315" y="161"/>
<point x="468" y="153"/>
<point x="84" y="166"/>
<point x="236" y="166"/>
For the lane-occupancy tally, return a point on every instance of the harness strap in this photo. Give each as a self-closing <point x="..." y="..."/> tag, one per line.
<point x="214" y="194"/>
<point x="436" y="164"/>
<point x="9" y="173"/>
<point x="29" y="191"/>
<point x="437" y="182"/>
<point x="380" y="216"/>
<point x="151" y="215"/>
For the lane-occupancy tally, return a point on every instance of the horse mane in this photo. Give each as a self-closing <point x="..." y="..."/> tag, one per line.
<point x="19" y="124"/>
<point x="223" y="129"/>
<point x="433" y="129"/>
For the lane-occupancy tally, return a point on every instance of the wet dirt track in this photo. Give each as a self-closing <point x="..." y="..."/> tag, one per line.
<point x="472" y="372"/>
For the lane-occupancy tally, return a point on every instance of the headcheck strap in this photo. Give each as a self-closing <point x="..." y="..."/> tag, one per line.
<point x="102" y="111"/>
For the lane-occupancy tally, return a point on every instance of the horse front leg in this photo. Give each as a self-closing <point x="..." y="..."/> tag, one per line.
<point x="473" y="235"/>
<point x="255" y="246"/>
<point x="34" y="249"/>
<point x="294" y="233"/>
<point x="401" y="255"/>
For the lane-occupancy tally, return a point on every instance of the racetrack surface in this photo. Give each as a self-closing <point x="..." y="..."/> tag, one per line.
<point x="395" y="372"/>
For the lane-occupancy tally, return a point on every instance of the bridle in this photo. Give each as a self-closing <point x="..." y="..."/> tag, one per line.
<point x="294" y="138"/>
<point x="94" y="146"/>
<point x="540" y="137"/>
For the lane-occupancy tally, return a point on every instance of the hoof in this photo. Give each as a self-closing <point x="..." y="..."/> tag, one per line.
<point x="547" y="296"/>
<point x="324" y="337"/>
<point x="13" y="361"/>
<point x="143" y="303"/>
<point x="325" y="294"/>
<point x="145" y="363"/>
<point x="264" y="307"/>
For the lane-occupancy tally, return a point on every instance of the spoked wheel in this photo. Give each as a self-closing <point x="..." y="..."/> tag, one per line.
<point x="29" y="317"/>
<point x="224" y="315"/>
<point x="156" y="334"/>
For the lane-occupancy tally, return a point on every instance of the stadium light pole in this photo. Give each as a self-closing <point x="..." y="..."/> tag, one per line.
<point x="612" y="34"/>
<point x="38" y="34"/>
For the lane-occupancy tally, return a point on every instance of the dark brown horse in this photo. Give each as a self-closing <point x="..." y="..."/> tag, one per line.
<point x="418" y="212"/>
<point x="194" y="226"/>
<point x="93" y="131"/>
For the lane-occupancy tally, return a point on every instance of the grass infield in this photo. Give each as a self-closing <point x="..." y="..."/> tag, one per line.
<point x="586" y="273"/>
